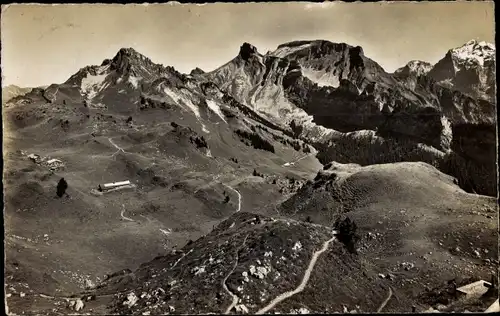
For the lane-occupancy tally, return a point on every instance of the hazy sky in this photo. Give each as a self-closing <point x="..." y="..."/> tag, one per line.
<point x="44" y="44"/>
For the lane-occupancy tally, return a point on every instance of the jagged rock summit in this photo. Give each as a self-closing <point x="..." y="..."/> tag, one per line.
<point x="414" y="68"/>
<point x="470" y="69"/>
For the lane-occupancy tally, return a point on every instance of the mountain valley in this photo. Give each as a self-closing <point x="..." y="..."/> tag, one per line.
<point x="241" y="178"/>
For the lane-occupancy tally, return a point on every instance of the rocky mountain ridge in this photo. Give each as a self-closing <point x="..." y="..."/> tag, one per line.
<point x="342" y="90"/>
<point x="470" y="69"/>
<point x="318" y="91"/>
<point x="223" y="167"/>
<point x="11" y="91"/>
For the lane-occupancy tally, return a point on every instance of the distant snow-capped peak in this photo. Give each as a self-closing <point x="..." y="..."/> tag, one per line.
<point x="415" y="67"/>
<point x="474" y="52"/>
<point x="419" y="66"/>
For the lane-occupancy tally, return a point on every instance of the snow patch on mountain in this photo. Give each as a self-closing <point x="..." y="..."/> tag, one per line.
<point x="313" y="131"/>
<point x="320" y="77"/>
<point x="92" y="85"/>
<point x="366" y="133"/>
<point x="415" y="67"/>
<point x="420" y="67"/>
<point x="475" y="52"/>
<point x="212" y="105"/>
<point x="284" y="51"/>
<point x="183" y="101"/>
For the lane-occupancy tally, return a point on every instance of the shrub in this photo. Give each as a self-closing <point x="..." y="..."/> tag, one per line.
<point x="61" y="187"/>
<point x="256" y="141"/>
<point x="199" y="141"/>
<point x="347" y="233"/>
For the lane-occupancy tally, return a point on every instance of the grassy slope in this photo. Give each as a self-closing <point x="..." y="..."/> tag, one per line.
<point x="87" y="237"/>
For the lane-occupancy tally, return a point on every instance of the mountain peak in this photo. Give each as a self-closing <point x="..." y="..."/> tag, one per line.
<point x="247" y="50"/>
<point x="128" y="51"/>
<point x="197" y="71"/>
<point x="317" y="47"/>
<point x="474" y="52"/>
<point x="414" y="67"/>
<point x="481" y="44"/>
<point x="128" y="60"/>
<point x="469" y="68"/>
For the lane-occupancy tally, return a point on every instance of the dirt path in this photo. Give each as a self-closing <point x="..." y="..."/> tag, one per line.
<point x="239" y="197"/>
<point x="125" y="217"/>
<point x="385" y="301"/>
<point x="116" y="146"/>
<point x="182" y="257"/>
<point x="224" y="285"/>
<point x="302" y="285"/>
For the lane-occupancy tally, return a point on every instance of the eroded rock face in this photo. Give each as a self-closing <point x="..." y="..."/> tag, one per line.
<point x="415" y="68"/>
<point x="196" y="71"/>
<point x="247" y="50"/>
<point x="470" y="69"/>
<point x="341" y="89"/>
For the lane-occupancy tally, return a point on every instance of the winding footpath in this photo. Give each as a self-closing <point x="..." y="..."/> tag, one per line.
<point x="385" y="301"/>
<point x="239" y="197"/>
<point x="116" y="146"/>
<point x="182" y="257"/>
<point x="302" y="285"/>
<point x="125" y="217"/>
<point x="224" y="285"/>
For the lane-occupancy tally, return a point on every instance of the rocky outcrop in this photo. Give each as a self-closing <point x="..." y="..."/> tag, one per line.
<point x="11" y="91"/>
<point x="196" y="71"/>
<point x="335" y="87"/>
<point x="414" y="68"/>
<point x="343" y="90"/>
<point x="469" y="69"/>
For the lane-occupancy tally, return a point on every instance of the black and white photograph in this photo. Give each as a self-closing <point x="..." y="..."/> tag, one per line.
<point x="249" y="158"/>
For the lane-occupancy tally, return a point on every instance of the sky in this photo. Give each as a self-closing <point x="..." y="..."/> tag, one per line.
<point x="45" y="44"/>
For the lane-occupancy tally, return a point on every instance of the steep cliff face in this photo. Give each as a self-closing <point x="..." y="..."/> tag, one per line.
<point x="470" y="69"/>
<point x="412" y="73"/>
<point x="240" y="74"/>
<point x="333" y="87"/>
<point x="330" y="93"/>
